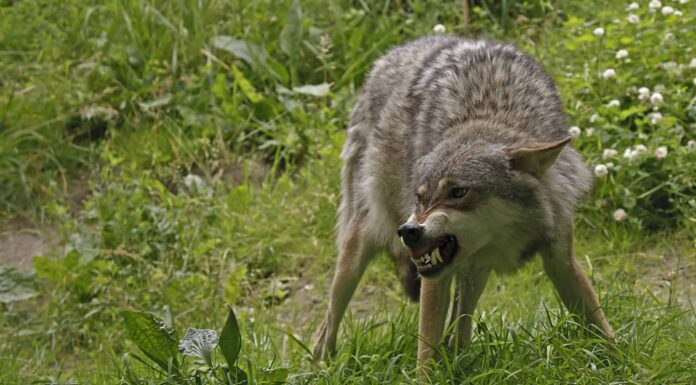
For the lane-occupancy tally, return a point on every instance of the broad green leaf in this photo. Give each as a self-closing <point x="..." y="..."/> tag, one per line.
<point x="15" y="285"/>
<point x="629" y="201"/>
<point x="630" y="111"/>
<point x="152" y="337"/>
<point x="254" y="55"/>
<point x="246" y="86"/>
<point x="230" y="339"/>
<point x="199" y="343"/>
<point x="291" y="35"/>
<point x="278" y="70"/>
<point x="239" y="48"/>
<point x="237" y="376"/>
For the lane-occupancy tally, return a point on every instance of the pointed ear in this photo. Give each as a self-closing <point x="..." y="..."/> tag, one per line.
<point x="535" y="158"/>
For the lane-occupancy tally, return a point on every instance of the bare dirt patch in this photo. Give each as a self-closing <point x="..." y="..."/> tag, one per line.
<point x="20" y="242"/>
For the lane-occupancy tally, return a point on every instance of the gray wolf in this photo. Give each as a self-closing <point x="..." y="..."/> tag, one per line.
<point x="457" y="163"/>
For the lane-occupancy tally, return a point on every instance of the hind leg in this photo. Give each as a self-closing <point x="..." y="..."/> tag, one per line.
<point x="354" y="255"/>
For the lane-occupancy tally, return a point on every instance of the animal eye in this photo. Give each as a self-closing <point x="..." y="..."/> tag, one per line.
<point x="458" y="192"/>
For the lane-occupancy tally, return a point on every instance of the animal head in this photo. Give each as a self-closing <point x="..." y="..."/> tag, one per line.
<point x="468" y="191"/>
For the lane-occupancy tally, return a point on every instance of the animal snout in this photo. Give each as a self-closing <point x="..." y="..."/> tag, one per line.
<point x="411" y="234"/>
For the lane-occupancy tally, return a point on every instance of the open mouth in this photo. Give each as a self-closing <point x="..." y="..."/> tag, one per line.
<point x="431" y="261"/>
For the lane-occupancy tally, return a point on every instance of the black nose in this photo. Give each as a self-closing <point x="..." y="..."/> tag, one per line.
<point x="411" y="234"/>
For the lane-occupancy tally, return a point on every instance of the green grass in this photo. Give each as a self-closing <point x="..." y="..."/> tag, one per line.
<point x="212" y="178"/>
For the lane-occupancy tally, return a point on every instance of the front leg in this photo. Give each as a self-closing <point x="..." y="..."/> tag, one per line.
<point x="573" y="286"/>
<point x="470" y="285"/>
<point x="434" y="302"/>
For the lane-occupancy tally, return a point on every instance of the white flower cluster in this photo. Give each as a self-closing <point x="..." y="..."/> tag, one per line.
<point x="622" y="53"/>
<point x="656" y="99"/>
<point x="632" y="153"/>
<point x="620" y="215"/>
<point x="661" y="152"/>
<point x="598" y="32"/>
<point x="691" y="145"/>
<point x="609" y="73"/>
<point x="654" y="117"/>
<point x="654" y="5"/>
<point x="439" y="28"/>
<point x="609" y="153"/>
<point x="601" y="170"/>
<point x="574" y="131"/>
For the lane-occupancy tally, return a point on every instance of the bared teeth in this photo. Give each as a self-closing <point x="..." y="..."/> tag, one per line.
<point x="437" y="258"/>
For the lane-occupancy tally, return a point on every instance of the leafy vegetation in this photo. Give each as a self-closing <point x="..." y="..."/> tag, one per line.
<point x="186" y="154"/>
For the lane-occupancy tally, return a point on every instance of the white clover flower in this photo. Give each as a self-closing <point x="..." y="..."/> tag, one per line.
<point x="644" y="92"/>
<point x="594" y="118"/>
<point x="633" y="19"/>
<point x="620" y="215"/>
<point x="654" y="5"/>
<point x="439" y="28"/>
<point x="601" y="171"/>
<point x="633" y="6"/>
<point x="642" y="136"/>
<point x="598" y="31"/>
<point x="669" y="36"/>
<point x="678" y="13"/>
<point x="692" y="63"/>
<point x="589" y="131"/>
<point x="661" y="152"/>
<point x="610" y="165"/>
<point x="609" y="153"/>
<point x="667" y="10"/>
<point x="683" y="1"/>
<point x="574" y="131"/>
<point x="691" y="145"/>
<point x="609" y="73"/>
<point x="639" y="148"/>
<point x="614" y="103"/>
<point x="656" y="99"/>
<point x="668" y="65"/>
<point x="622" y="53"/>
<point x="629" y="154"/>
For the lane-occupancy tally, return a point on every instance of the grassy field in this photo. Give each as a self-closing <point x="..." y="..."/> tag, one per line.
<point x="173" y="157"/>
